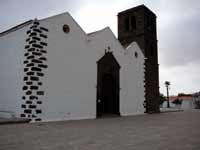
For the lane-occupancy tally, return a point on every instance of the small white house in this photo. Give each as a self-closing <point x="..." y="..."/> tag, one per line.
<point x="52" y="70"/>
<point x="196" y="100"/>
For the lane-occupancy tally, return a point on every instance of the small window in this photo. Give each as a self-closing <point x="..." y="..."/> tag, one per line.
<point x="66" y="28"/>
<point x="127" y="24"/>
<point x="136" y="54"/>
<point x="133" y="22"/>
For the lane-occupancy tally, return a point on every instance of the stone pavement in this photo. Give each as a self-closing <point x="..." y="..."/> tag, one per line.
<point x="165" y="131"/>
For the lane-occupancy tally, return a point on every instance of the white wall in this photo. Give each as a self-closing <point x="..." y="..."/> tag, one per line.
<point x="132" y="82"/>
<point x="11" y="74"/>
<point x="70" y="87"/>
<point x="71" y="77"/>
<point x="131" y="71"/>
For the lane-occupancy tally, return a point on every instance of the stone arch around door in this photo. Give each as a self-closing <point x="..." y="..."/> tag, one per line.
<point x="108" y="74"/>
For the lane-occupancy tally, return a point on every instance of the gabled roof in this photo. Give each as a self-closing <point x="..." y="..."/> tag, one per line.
<point x="96" y="32"/>
<point x="17" y="27"/>
<point x="108" y="58"/>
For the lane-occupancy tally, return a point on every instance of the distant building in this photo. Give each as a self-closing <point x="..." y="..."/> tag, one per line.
<point x="196" y="100"/>
<point x="183" y="101"/>
<point x="52" y="70"/>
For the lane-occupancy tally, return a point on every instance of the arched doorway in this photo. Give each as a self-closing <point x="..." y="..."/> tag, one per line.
<point x="108" y="85"/>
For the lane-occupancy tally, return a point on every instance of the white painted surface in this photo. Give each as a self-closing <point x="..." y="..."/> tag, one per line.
<point x="11" y="74"/>
<point x="71" y="77"/>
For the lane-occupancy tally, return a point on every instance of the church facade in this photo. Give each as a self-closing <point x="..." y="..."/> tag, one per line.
<point x="52" y="70"/>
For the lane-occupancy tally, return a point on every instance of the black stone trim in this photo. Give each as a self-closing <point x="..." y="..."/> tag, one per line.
<point x="34" y="87"/>
<point x="32" y="106"/>
<point x="26" y="61"/>
<point x="39" y="102"/>
<point x="38" y="111"/>
<point x="29" y="83"/>
<point x="39" y="83"/>
<point x="27" y="46"/>
<point x="37" y="46"/>
<point x="28" y="92"/>
<point x="34" y="65"/>
<point x="33" y="78"/>
<point x="40" y="74"/>
<point x="26" y="54"/>
<point x="38" y="119"/>
<point x="25" y="88"/>
<point x="36" y="69"/>
<point x="23" y="106"/>
<point x="34" y="26"/>
<point x="36" y="23"/>
<point x="42" y="66"/>
<point x="43" y="43"/>
<point x="37" y="30"/>
<point x="36" y="53"/>
<point x="31" y="49"/>
<point x="27" y="111"/>
<point x="30" y="57"/>
<point x="33" y="97"/>
<point x="28" y="39"/>
<point x="30" y="73"/>
<point x="33" y="34"/>
<point x="43" y="51"/>
<point x="44" y="29"/>
<point x="40" y="92"/>
<point x="36" y="38"/>
<point x="29" y="31"/>
<point x="43" y="58"/>
<point x="28" y="102"/>
<point x="30" y="65"/>
<point x="23" y="115"/>
<point x="44" y="36"/>
<point x="25" y="78"/>
<point x="31" y="42"/>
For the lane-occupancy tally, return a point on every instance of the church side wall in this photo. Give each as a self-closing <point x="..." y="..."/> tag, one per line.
<point x="11" y="74"/>
<point x="132" y="82"/>
<point x="50" y="74"/>
<point x="70" y="90"/>
<point x="131" y="71"/>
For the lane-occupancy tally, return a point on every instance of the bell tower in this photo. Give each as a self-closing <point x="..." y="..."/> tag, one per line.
<point x="139" y="24"/>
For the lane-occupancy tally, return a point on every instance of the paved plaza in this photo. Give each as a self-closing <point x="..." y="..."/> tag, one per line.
<point x="165" y="131"/>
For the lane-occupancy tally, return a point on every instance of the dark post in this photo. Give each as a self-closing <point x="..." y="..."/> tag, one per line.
<point x="167" y="83"/>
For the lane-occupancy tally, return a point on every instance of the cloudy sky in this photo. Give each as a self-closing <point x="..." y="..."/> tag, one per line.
<point x="178" y="27"/>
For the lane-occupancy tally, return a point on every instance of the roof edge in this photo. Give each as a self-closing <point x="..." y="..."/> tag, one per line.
<point x="136" y="8"/>
<point x="16" y="27"/>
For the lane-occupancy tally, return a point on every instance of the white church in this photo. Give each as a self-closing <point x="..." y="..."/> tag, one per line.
<point x="52" y="70"/>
